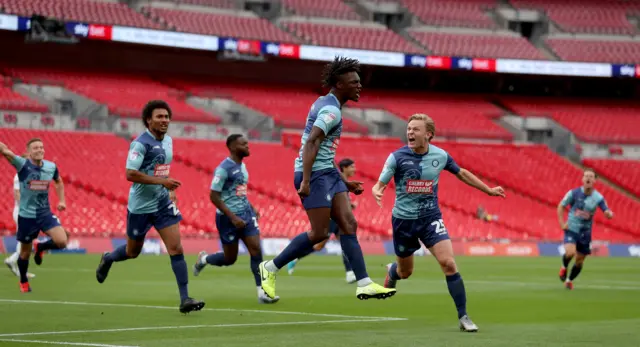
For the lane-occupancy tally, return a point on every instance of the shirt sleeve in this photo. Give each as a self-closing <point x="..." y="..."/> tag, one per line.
<point x="451" y="165"/>
<point x="219" y="177"/>
<point x="56" y="174"/>
<point x="16" y="183"/>
<point x="388" y="170"/>
<point x="18" y="162"/>
<point x="136" y="155"/>
<point x="328" y="118"/>
<point x="568" y="199"/>
<point x="603" y="205"/>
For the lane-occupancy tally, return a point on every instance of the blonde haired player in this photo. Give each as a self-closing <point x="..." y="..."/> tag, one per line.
<point x="12" y="261"/>
<point x="416" y="215"/>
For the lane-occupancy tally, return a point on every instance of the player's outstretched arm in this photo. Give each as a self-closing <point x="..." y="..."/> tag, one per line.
<point x="469" y="178"/>
<point x="7" y="153"/>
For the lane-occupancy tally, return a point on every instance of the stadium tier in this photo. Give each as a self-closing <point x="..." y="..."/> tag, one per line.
<point x="478" y="45"/>
<point x="358" y="37"/>
<point x="285" y="108"/>
<point x="585" y="118"/>
<point x="466" y="13"/>
<point x="98" y="12"/>
<point x="595" y="50"/>
<point x="461" y="117"/>
<point x="327" y="8"/>
<point x="248" y="27"/>
<point x="589" y="17"/>
<point x="10" y="100"/>
<point x="123" y="94"/>
<point x="625" y="173"/>
<point x="224" y="4"/>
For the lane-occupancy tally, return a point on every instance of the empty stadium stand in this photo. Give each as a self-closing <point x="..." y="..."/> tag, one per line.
<point x="349" y="36"/>
<point x="588" y="17"/>
<point x="125" y="95"/>
<point x="327" y="8"/>
<point x="585" y="118"/>
<point x="241" y="26"/>
<point x="624" y="173"/>
<point x="10" y="100"/>
<point x="97" y="12"/>
<point x="287" y="105"/>
<point x="600" y="51"/>
<point x="466" y="13"/>
<point x="478" y="45"/>
<point x="468" y="117"/>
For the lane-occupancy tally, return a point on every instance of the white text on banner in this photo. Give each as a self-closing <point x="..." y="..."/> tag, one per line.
<point x="164" y="38"/>
<point x="8" y="22"/>
<point x="365" y="57"/>
<point x="555" y="68"/>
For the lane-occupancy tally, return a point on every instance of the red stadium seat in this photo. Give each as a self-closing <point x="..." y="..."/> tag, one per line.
<point x="591" y="17"/>
<point x="465" y="13"/>
<point x="327" y="8"/>
<point x="478" y="45"/>
<point x="599" y="51"/>
<point x="624" y="173"/>
<point x="95" y="12"/>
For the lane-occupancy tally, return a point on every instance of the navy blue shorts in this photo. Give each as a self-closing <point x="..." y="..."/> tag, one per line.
<point x="333" y="228"/>
<point x="29" y="228"/>
<point x="324" y="184"/>
<point x="581" y="240"/>
<point x="229" y="234"/>
<point x="407" y="234"/>
<point x="139" y="224"/>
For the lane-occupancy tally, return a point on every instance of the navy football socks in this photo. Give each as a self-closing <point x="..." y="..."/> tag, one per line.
<point x="255" y="262"/>
<point x="351" y="249"/>
<point x="456" y="289"/>
<point x="575" y="271"/>
<point x="23" y="266"/>
<point x="298" y="248"/>
<point x="119" y="254"/>
<point x="179" y="267"/>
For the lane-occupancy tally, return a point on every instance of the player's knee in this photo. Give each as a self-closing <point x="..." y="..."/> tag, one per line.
<point x="404" y="273"/>
<point x="448" y="266"/>
<point x="62" y="243"/>
<point x="352" y="226"/>
<point x="132" y="254"/>
<point x="175" y="249"/>
<point x="230" y="259"/>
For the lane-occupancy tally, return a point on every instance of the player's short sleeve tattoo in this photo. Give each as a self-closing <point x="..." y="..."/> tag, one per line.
<point x="568" y="199"/>
<point x="18" y="162"/>
<point x="219" y="177"/>
<point x="136" y="155"/>
<point x="328" y="117"/>
<point x="451" y="165"/>
<point x="388" y="170"/>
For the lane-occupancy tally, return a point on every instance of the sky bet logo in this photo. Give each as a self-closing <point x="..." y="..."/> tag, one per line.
<point x="230" y="45"/>
<point x="81" y="30"/>
<point x="418" y="60"/>
<point x="465" y="63"/>
<point x="627" y="70"/>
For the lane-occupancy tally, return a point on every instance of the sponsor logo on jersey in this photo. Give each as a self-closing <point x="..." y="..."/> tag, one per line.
<point x="38" y="185"/>
<point x="241" y="190"/>
<point x="133" y="155"/>
<point x="419" y="187"/>
<point x="162" y="170"/>
<point x="582" y="214"/>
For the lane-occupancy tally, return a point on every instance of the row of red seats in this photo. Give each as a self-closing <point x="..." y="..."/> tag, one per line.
<point x="585" y="117"/>
<point x="624" y="173"/>
<point x="124" y="94"/>
<point x="590" y="17"/>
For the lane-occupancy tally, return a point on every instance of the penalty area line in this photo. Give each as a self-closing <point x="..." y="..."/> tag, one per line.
<point x="201" y="326"/>
<point x="63" y="343"/>
<point x="205" y="309"/>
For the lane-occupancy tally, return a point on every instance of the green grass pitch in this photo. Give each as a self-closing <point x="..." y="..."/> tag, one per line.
<point x="514" y="301"/>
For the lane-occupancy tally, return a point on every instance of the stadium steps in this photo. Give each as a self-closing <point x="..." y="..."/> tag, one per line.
<point x="546" y="50"/>
<point x="604" y="180"/>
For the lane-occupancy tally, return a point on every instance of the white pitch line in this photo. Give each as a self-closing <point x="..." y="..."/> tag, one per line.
<point x="64" y="343"/>
<point x="200" y="327"/>
<point x="205" y="309"/>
